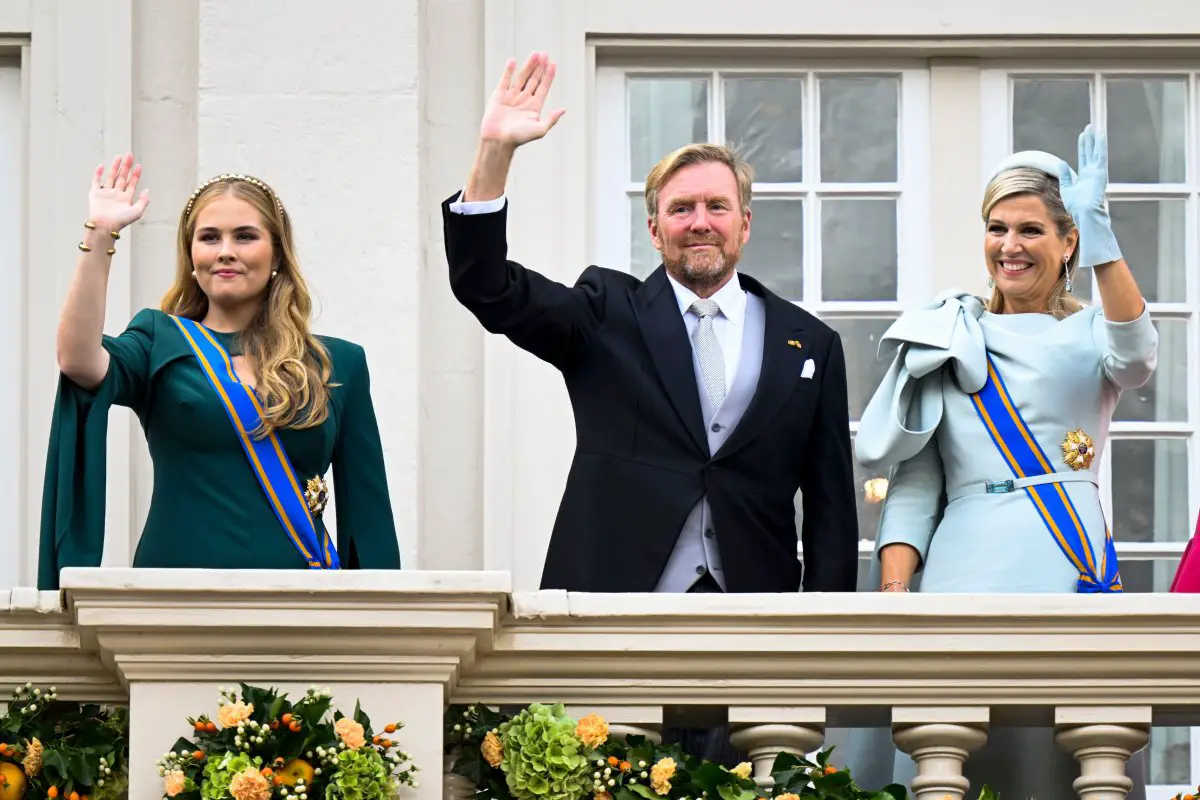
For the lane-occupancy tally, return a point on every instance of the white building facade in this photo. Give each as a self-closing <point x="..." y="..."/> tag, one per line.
<point x="872" y="126"/>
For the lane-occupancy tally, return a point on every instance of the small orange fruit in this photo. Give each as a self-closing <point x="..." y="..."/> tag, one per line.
<point x="390" y="729"/>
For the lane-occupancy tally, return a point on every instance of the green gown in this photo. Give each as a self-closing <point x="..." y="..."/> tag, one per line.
<point x="208" y="509"/>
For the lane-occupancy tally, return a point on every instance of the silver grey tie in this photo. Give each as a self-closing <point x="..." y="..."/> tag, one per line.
<point x="708" y="350"/>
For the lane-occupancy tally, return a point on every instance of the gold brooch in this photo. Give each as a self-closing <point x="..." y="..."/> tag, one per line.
<point x="316" y="495"/>
<point x="1078" y="450"/>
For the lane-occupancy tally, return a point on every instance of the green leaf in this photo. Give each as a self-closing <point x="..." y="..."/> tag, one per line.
<point x="471" y="764"/>
<point x="645" y="791"/>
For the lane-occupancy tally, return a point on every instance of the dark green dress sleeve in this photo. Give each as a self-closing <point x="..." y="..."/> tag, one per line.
<point x="366" y="529"/>
<point x="72" y="524"/>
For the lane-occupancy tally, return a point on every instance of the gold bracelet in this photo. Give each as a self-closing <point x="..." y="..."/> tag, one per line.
<point x="84" y="248"/>
<point x="91" y="226"/>
<point x="111" y="251"/>
<point x="115" y="235"/>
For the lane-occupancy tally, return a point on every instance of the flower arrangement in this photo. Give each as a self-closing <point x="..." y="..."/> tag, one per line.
<point x="543" y="754"/>
<point x="56" y="749"/>
<point x="261" y="747"/>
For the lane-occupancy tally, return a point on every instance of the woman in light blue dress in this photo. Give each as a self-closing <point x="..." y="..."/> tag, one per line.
<point x="992" y="420"/>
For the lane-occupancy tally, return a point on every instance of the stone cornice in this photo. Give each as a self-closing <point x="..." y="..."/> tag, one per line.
<point x="39" y="643"/>
<point x="1021" y="653"/>
<point x="180" y="625"/>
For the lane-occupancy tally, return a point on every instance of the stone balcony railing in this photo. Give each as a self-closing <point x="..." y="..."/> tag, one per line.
<point x="940" y="669"/>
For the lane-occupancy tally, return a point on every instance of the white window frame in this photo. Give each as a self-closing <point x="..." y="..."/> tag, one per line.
<point x="996" y="88"/>
<point x="12" y="315"/>
<point x="610" y="233"/>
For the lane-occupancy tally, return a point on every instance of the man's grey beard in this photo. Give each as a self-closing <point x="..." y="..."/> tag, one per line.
<point x="713" y="272"/>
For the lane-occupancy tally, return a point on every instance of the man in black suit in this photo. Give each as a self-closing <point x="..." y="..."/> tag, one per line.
<point x="703" y="402"/>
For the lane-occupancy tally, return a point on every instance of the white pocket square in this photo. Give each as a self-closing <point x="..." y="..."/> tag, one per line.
<point x="809" y="369"/>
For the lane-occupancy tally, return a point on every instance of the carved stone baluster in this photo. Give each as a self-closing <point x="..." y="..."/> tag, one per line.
<point x="939" y="741"/>
<point x="1102" y="740"/>
<point x="766" y="731"/>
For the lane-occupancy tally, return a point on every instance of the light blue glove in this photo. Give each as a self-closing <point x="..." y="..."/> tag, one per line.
<point x="1084" y="198"/>
<point x="1082" y="194"/>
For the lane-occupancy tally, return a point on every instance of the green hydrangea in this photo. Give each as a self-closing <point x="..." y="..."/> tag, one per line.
<point x="219" y="772"/>
<point x="543" y="758"/>
<point x="361" y="775"/>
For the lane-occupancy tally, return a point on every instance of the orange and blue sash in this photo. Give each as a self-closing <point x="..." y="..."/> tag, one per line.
<point x="1026" y="459"/>
<point x="267" y="458"/>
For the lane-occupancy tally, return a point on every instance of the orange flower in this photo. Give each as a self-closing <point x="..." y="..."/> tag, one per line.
<point x="492" y="749"/>
<point x="830" y="769"/>
<point x="592" y="730"/>
<point x="661" y="774"/>
<point x="626" y="766"/>
<point x="612" y="761"/>
<point x="173" y="783"/>
<point x="249" y="784"/>
<point x="350" y="732"/>
<point x="229" y="716"/>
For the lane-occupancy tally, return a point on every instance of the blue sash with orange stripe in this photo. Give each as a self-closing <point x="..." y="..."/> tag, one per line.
<point x="268" y="460"/>
<point x="1026" y="459"/>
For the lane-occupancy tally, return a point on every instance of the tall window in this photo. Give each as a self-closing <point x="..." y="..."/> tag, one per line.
<point x="1149" y="473"/>
<point x="11" y="315"/>
<point x="840" y="209"/>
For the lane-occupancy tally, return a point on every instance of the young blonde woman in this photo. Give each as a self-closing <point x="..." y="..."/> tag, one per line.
<point x="244" y="408"/>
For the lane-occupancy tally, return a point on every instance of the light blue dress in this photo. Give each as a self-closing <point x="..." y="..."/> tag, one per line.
<point x="1063" y="376"/>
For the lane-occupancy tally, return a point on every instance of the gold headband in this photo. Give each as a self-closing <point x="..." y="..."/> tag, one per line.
<point x="230" y="177"/>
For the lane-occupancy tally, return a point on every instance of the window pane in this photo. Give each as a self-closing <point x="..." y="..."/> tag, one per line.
<point x="858" y="249"/>
<point x="664" y="114"/>
<point x="1171" y="756"/>
<point x="775" y="252"/>
<point x="1153" y="575"/>
<point x="764" y="120"/>
<point x="1164" y="397"/>
<point x="864" y="369"/>
<point x="859" y="129"/>
<point x="1146" y="130"/>
<point x="1150" y="490"/>
<point x="1049" y="114"/>
<point x="1152" y="238"/>
<point x="643" y="258"/>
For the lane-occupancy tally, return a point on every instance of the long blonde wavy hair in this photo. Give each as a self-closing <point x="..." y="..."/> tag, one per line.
<point x="1026" y="180"/>
<point x="292" y="368"/>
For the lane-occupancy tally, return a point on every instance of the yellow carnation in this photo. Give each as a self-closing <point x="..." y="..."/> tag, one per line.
<point x="743" y="770"/>
<point x="250" y="784"/>
<point x="350" y="732"/>
<point x="229" y="716"/>
<point x="32" y="763"/>
<point x="788" y="796"/>
<point x="492" y="749"/>
<point x="592" y="730"/>
<point x="661" y="774"/>
<point x="174" y="783"/>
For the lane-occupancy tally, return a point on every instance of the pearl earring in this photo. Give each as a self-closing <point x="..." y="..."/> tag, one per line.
<point x="193" y="274"/>
<point x="274" y="272"/>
